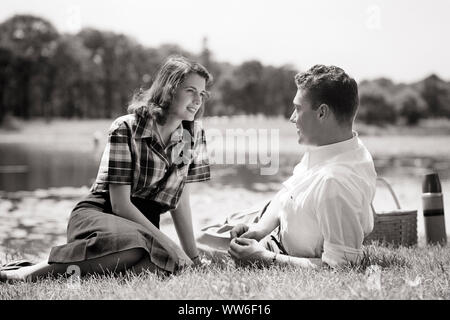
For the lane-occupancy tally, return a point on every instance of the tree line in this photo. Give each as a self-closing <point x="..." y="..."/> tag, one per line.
<point x="94" y="74"/>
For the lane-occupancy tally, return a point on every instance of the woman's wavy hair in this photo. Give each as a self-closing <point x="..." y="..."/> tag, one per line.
<point x="155" y="101"/>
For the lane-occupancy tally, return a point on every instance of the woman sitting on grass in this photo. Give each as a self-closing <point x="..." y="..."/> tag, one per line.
<point x="150" y="156"/>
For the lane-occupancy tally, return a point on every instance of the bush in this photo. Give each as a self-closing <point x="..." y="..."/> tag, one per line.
<point x="410" y="106"/>
<point x="375" y="109"/>
<point x="10" y="123"/>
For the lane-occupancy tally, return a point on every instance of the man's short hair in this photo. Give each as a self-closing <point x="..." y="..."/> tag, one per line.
<point x="332" y="86"/>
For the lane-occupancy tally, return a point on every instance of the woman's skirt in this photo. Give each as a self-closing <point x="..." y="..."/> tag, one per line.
<point x="93" y="231"/>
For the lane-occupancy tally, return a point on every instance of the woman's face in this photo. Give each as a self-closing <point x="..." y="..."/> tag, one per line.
<point x="188" y="98"/>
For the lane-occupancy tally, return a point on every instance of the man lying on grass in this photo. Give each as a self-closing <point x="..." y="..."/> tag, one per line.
<point x="322" y="213"/>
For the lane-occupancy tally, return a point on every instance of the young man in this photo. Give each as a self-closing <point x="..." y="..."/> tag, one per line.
<point x="323" y="210"/>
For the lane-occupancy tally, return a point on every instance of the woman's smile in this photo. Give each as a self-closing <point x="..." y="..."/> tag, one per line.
<point x="192" y="109"/>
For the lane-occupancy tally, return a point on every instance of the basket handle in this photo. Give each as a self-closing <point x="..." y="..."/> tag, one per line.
<point x="389" y="187"/>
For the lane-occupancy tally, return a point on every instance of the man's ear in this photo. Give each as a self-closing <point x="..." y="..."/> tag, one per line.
<point x="323" y="111"/>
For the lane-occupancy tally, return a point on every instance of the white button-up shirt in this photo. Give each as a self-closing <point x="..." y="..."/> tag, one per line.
<point x="326" y="203"/>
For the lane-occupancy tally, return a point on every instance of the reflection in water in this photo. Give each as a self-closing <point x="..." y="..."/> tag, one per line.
<point x="27" y="168"/>
<point x="24" y="167"/>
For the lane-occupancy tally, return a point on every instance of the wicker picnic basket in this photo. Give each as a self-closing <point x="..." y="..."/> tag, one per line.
<point x="396" y="227"/>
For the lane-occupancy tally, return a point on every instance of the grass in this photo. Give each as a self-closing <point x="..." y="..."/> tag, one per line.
<point x="384" y="273"/>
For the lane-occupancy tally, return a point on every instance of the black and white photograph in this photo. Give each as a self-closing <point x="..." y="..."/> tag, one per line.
<point x="244" y="152"/>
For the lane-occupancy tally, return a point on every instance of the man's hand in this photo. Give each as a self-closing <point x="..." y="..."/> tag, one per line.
<point x="249" y="251"/>
<point x="238" y="230"/>
<point x="244" y="231"/>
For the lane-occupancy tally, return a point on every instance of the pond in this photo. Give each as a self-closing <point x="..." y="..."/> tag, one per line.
<point x="26" y="167"/>
<point x="35" y="220"/>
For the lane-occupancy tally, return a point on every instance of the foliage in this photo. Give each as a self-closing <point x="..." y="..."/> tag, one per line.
<point x="375" y="107"/>
<point x="27" y="45"/>
<point x="410" y="105"/>
<point x="94" y="74"/>
<point x="436" y="94"/>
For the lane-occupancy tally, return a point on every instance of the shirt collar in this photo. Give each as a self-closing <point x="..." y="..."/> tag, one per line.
<point x="177" y="135"/>
<point x="146" y="128"/>
<point x="317" y="154"/>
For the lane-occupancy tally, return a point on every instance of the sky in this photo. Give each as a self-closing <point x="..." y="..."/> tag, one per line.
<point x="405" y="40"/>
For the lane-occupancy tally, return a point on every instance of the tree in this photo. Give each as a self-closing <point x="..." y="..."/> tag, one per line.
<point x="77" y="76"/>
<point x="32" y="42"/>
<point x="375" y="106"/>
<point x="280" y="90"/>
<point x="436" y="94"/>
<point x="6" y="61"/>
<point x="248" y="95"/>
<point x="115" y="55"/>
<point x="410" y="105"/>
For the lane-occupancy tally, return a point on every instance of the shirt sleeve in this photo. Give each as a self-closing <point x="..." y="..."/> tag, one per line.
<point x="339" y="213"/>
<point x="116" y="165"/>
<point x="199" y="169"/>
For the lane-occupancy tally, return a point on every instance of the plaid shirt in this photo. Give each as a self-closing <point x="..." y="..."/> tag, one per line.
<point x="135" y="155"/>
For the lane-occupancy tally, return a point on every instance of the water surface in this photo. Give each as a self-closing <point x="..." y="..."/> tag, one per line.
<point x="34" y="221"/>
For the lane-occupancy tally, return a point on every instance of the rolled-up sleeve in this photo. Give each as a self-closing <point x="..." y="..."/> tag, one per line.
<point x="199" y="169"/>
<point x="339" y="214"/>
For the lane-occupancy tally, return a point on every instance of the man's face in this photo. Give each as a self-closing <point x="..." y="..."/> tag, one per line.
<point x="306" y="119"/>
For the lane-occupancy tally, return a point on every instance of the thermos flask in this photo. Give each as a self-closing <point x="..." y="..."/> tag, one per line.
<point x="433" y="209"/>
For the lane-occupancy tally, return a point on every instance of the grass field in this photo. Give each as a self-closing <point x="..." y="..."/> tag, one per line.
<point x="385" y="273"/>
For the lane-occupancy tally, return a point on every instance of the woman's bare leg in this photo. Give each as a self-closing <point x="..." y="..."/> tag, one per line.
<point x="116" y="262"/>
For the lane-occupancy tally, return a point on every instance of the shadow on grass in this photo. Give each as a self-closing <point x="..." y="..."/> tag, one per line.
<point x="381" y="254"/>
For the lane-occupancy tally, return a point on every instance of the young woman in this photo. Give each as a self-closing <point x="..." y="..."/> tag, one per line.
<point x="150" y="156"/>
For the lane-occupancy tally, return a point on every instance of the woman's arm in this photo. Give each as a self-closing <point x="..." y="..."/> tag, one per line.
<point x="182" y="219"/>
<point x="123" y="207"/>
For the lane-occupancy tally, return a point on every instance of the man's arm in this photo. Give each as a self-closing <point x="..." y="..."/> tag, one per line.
<point x="249" y="251"/>
<point x="285" y="260"/>
<point x="268" y="222"/>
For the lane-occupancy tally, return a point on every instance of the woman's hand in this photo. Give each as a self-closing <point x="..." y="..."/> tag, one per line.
<point x="197" y="261"/>
<point x="249" y="251"/>
<point x="200" y="261"/>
